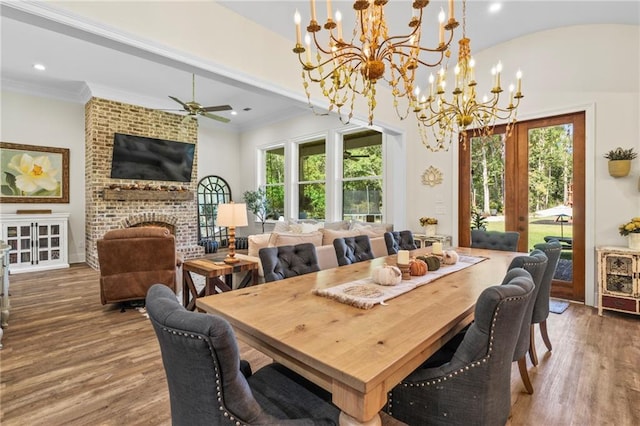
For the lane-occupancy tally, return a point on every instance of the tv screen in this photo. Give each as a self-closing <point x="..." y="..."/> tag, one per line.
<point x="138" y="157"/>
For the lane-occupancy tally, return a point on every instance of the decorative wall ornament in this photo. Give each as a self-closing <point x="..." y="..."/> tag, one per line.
<point x="432" y="176"/>
<point x="33" y="174"/>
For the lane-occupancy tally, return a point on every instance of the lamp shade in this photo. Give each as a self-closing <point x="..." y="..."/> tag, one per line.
<point x="232" y="214"/>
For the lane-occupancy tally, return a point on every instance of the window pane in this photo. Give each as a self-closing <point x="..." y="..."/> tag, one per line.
<point x="487" y="177"/>
<point x="274" y="159"/>
<point x="362" y="155"/>
<point x="312" y="160"/>
<point x="275" y="199"/>
<point x="311" y="201"/>
<point x="362" y="200"/>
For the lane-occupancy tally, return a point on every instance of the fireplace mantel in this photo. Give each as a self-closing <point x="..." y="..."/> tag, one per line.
<point x="142" y="194"/>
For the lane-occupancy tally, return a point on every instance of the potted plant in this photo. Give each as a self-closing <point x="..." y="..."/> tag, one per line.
<point x="257" y="204"/>
<point x="430" y="225"/>
<point x="478" y="221"/>
<point x="631" y="229"/>
<point x="620" y="161"/>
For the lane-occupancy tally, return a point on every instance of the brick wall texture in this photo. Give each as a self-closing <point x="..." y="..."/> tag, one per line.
<point x="104" y="118"/>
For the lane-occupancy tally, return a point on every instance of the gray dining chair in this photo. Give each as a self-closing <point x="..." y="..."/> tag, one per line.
<point x="534" y="266"/>
<point x="206" y="383"/>
<point x="352" y="249"/>
<point x="283" y="262"/>
<point x="473" y="386"/>
<point x="495" y="240"/>
<point x="399" y="240"/>
<point x="540" y="314"/>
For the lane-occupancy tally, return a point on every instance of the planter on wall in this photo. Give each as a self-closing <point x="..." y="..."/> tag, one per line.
<point x="619" y="168"/>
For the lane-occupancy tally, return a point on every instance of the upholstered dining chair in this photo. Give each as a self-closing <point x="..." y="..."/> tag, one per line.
<point x="206" y="384"/>
<point x="353" y="249"/>
<point x="288" y="261"/>
<point x="534" y="266"/>
<point x="399" y="240"/>
<point x="495" y="240"/>
<point x="473" y="386"/>
<point x="552" y="249"/>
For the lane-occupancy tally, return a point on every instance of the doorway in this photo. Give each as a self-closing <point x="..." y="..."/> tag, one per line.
<point x="532" y="181"/>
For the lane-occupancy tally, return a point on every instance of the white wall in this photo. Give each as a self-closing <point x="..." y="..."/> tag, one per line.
<point x="40" y="121"/>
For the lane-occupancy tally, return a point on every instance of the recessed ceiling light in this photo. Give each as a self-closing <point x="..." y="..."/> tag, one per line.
<point x="234" y="112"/>
<point x="495" y="7"/>
<point x="39" y="67"/>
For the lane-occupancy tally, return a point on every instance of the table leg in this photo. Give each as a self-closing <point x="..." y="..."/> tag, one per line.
<point x="347" y="420"/>
<point x="214" y="282"/>
<point x="188" y="289"/>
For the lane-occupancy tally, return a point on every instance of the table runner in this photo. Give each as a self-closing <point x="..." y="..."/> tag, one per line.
<point x="365" y="294"/>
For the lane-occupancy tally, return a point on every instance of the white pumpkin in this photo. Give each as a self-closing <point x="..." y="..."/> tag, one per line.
<point x="386" y="275"/>
<point x="449" y="257"/>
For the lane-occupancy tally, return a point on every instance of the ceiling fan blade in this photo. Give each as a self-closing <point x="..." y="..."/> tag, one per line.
<point x="180" y="102"/>
<point x="216" y="108"/>
<point x="215" y="117"/>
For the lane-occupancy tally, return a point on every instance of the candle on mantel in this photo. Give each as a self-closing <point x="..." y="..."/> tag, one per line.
<point x="436" y="248"/>
<point x="403" y="257"/>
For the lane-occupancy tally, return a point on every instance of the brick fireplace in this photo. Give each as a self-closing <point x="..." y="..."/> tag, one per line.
<point x="103" y="118"/>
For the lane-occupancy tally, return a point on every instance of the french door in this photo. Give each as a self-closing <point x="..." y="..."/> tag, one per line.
<point x="531" y="181"/>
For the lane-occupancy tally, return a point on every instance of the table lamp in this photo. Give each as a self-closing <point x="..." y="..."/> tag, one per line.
<point x="232" y="215"/>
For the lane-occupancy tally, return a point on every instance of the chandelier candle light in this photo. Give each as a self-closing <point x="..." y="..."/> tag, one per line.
<point x="345" y="69"/>
<point x="449" y="117"/>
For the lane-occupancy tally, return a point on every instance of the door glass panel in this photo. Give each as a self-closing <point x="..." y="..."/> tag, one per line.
<point x="487" y="182"/>
<point x="55" y="229"/>
<point x="55" y="242"/>
<point x="25" y="257"/>
<point x="550" y="191"/>
<point x="25" y="230"/>
<point x="43" y="230"/>
<point x="25" y="244"/>
<point x="44" y="243"/>
<point x="44" y="255"/>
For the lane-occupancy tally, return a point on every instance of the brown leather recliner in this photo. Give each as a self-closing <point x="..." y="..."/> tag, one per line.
<point x="133" y="259"/>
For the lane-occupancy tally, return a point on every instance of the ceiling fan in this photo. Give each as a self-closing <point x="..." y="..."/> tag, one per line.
<point x="193" y="108"/>
<point x="349" y="156"/>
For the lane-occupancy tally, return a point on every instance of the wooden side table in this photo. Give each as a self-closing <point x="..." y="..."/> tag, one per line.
<point x="218" y="277"/>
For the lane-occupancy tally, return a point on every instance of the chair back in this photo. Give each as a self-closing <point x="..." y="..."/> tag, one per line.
<point x="494" y="240"/>
<point x="533" y="266"/>
<point x="202" y="363"/>
<point x="353" y="249"/>
<point x="552" y="249"/>
<point x="474" y="387"/>
<point x="131" y="260"/>
<point x="288" y="261"/>
<point x="399" y="240"/>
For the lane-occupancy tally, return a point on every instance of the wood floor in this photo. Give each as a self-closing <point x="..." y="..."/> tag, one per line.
<point x="68" y="360"/>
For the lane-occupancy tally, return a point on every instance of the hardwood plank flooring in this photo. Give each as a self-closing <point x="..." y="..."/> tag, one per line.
<point x="68" y="360"/>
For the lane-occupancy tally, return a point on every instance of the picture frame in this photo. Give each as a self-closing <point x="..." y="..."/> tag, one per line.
<point x="33" y="174"/>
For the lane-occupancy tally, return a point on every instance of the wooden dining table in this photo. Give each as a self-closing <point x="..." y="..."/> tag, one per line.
<point x="358" y="355"/>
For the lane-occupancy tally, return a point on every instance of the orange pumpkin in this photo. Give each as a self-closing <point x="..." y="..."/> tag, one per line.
<point x="417" y="267"/>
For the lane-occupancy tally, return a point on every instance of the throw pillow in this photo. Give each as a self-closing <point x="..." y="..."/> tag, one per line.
<point x="291" y="239"/>
<point x="337" y="226"/>
<point x="372" y="230"/>
<point x="328" y="235"/>
<point x="256" y="242"/>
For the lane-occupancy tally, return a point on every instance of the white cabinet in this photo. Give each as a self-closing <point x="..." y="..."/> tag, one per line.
<point x="619" y="279"/>
<point x="38" y="241"/>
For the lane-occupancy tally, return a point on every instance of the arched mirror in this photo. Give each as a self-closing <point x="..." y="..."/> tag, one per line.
<point x="212" y="190"/>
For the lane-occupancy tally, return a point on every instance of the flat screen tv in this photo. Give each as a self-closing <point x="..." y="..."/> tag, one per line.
<point x="142" y="158"/>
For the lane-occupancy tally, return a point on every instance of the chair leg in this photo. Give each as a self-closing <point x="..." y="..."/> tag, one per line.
<point x="522" y="366"/>
<point x="532" y="346"/>
<point x="545" y="335"/>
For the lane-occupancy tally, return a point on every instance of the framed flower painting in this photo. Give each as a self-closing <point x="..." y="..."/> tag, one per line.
<point x="33" y="174"/>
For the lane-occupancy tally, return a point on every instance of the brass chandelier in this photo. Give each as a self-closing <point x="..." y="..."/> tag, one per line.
<point x="447" y="118"/>
<point x="348" y="68"/>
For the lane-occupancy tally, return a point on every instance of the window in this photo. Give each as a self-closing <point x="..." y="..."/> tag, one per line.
<point x="316" y="179"/>
<point x="362" y="176"/>
<point x="312" y="159"/>
<point x="274" y="186"/>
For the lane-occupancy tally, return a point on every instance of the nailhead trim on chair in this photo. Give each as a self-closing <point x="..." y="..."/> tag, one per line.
<point x="221" y="407"/>
<point x="461" y="370"/>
